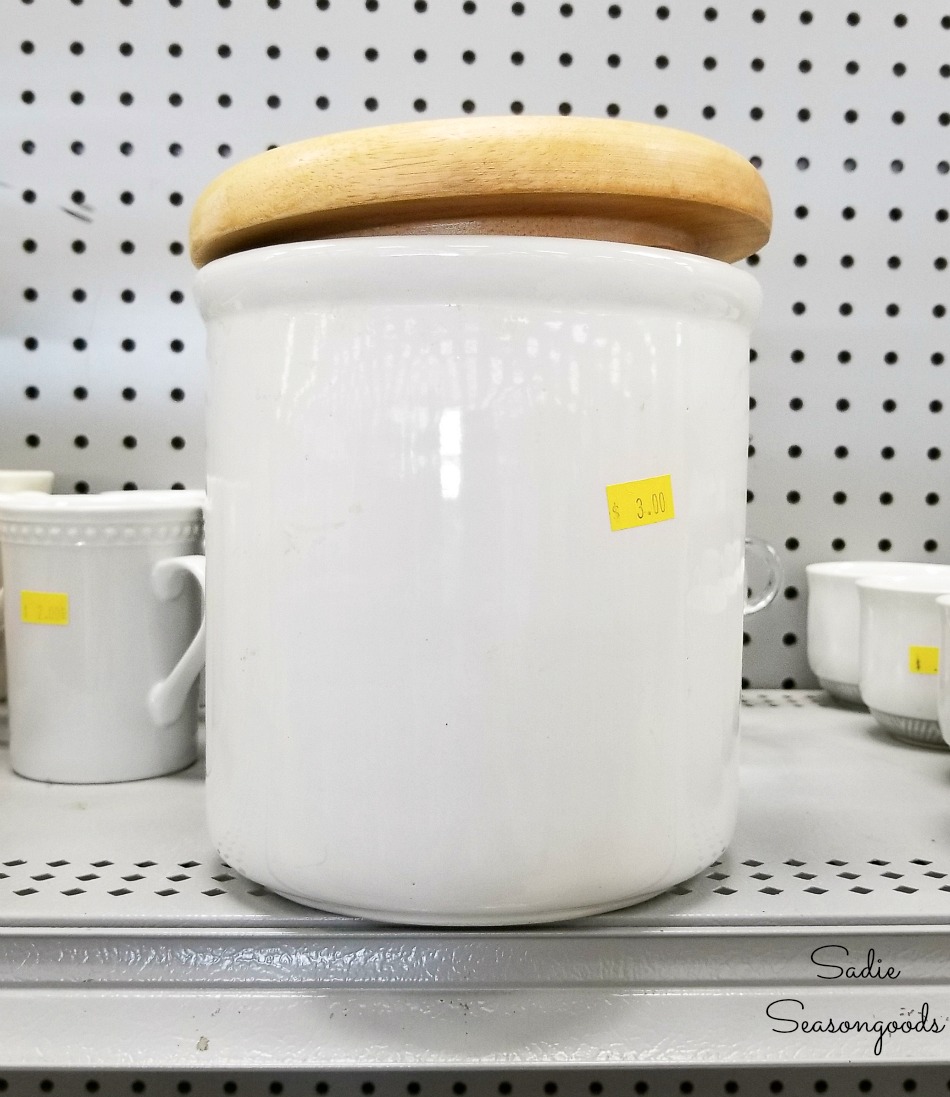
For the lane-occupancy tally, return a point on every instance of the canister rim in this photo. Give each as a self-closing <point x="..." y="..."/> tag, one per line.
<point x="560" y="273"/>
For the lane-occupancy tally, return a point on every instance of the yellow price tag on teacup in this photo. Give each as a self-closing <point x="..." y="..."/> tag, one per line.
<point x="640" y="502"/>
<point x="924" y="660"/>
<point x="43" y="607"/>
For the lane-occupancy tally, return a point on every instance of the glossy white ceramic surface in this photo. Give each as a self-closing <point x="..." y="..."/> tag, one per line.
<point x="943" y="678"/>
<point x="834" y="618"/>
<point x="102" y="687"/>
<point x="900" y="647"/>
<point x="440" y="687"/>
<point x="17" y="480"/>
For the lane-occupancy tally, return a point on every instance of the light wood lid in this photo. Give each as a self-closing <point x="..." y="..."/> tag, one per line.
<point x="547" y="176"/>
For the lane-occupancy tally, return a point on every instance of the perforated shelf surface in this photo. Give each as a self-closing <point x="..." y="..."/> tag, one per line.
<point x="116" y="912"/>
<point x="839" y="823"/>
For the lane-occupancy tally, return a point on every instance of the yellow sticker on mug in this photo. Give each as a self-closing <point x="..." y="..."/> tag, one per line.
<point x="924" y="660"/>
<point x="640" y="503"/>
<point x="41" y="607"/>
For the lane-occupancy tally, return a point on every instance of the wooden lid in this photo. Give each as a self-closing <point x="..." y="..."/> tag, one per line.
<point x="593" y="178"/>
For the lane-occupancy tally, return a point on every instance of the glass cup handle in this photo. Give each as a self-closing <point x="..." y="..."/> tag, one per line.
<point x="764" y="551"/>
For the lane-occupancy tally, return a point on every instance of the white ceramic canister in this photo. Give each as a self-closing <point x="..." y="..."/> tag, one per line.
<point x="475" y="537"/>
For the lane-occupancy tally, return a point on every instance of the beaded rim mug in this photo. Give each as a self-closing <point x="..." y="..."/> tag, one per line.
<point x="105" y="634"/>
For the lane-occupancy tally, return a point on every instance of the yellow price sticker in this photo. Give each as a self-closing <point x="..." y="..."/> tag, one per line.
<point x="640" y="502"/>
<point x="41" y="607"/>
<point x="924" y="660"/>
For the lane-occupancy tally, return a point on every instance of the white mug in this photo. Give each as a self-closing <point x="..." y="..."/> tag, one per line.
<point x="105" y="634"/>
<point x="943" y="672"/>
<point x="834" y="614"/>
<point x="900" y="653"/>
<point x="16" y="480"/>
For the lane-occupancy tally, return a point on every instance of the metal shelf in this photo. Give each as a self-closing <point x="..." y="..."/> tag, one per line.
<point x="118" y="919"/>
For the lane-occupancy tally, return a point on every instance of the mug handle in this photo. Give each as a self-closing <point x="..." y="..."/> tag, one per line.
<point x="765" y="552"/>
<point x="166" y="699"/>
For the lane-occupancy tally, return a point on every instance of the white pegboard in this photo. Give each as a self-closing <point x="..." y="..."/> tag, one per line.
<point x="118" y="112"/>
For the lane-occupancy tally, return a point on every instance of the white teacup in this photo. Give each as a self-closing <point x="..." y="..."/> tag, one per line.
<point x="900" y="652"/>
<point x="16" y="480"/>
<point x="105" y="634"/>
<point x="833" y="626"/>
